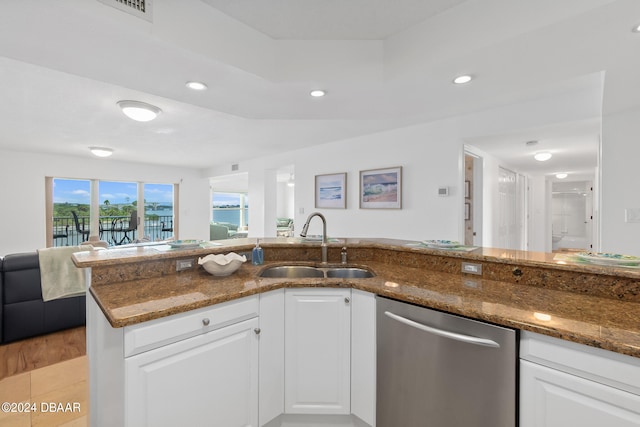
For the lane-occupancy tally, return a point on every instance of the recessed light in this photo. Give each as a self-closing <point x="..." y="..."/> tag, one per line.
<point x="101" y="151"/>
<point x="196" y="85"/>
<point x="462" y="79"/>
<point x="636" y="28"/>
<point x="542" y="156"/>
<point x="317" y="93"/>
<point x="562" y="175"/>
<point x="139" y="111"/>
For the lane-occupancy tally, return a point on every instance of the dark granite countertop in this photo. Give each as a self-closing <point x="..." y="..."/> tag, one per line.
<point x="593" y="305"/>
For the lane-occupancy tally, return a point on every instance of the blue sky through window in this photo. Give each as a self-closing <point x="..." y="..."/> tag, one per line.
<point x="230" y="199"/>
<point x="79" y="192"/>
<point x="117" y="192"/>
<point x="73" y="191"/>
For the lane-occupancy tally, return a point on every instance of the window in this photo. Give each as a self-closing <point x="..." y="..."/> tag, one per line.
<point x="118" y="204"/>
<point x="232" y="208"/>
<point x="120" y="218"/>
<point x="158" y="211"/>
<point x="70" y="196"/>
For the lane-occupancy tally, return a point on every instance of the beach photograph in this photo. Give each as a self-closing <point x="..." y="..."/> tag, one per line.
<point x="380" y="188"/>
<point x="331" y="191"/>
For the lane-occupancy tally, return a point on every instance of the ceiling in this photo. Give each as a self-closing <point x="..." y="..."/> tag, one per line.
<point x="331" y="19"/>
<point x="384" y="64"/>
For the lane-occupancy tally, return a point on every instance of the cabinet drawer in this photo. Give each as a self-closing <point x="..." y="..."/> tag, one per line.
<point x="155" y="333"/>
<point x="603" y="366"/>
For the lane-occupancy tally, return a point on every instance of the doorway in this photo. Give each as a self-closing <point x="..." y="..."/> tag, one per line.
<point x="472" y="213"/>
<point x="512" y="230"/>
<point x="572" y="215"/>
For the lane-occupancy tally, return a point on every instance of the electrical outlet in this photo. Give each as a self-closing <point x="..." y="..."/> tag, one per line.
<point x="184" y="264"/>
<point x="471" y="268"/>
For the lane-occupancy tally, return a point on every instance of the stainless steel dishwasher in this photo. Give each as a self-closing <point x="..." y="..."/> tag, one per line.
<point x="440" y="370"/>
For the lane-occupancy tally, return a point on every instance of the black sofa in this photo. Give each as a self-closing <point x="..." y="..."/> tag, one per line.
<point x="23" y="313"/>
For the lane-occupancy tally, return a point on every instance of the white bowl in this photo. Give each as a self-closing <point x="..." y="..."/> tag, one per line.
<point x="222" y="265"/>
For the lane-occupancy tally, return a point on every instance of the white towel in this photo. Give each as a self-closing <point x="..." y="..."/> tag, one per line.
<point x="59" y="276"/>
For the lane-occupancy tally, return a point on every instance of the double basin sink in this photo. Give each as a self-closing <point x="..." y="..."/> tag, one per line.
<point x="305" y="271"/>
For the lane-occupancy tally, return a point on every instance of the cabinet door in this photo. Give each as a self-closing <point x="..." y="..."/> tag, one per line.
<point x="271" y="395"/>
<point x="551" y="398"/>
<point x="207" y="380"/>
<point x="317" y="351"/>
<point x="363" y="356"/>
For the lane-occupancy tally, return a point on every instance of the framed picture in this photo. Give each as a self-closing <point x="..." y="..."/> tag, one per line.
<point x="331" y="191"/>
<point x="381" y="188"/>
<point x="467" y="211"/>
<point x="467" y="188"/>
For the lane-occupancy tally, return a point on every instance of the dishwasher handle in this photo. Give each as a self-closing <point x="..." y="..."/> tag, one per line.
<point x="446" y="334"/>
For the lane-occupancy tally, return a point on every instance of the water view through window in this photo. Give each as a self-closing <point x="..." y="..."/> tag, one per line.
<point x="232" y="208"/>
<point x="119" y="211"/>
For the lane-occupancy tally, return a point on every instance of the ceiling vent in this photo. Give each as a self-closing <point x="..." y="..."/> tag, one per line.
<point x="139" y="8"/>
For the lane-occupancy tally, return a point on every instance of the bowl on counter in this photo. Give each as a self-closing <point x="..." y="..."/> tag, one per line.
<point x="222" y="265"/>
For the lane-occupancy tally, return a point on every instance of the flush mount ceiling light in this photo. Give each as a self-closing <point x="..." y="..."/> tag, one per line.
<point x="462" y="79"/>
<point x="542" y="156"/>
<point x="101" y="151"/>
<point x="139" y="111"/>
<point x="196" y="85"/>
<point x="562" y="175"/>
<point x="317" y="93"/>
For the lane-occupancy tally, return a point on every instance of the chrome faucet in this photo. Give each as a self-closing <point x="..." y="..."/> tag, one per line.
<point x="305" y="228"/>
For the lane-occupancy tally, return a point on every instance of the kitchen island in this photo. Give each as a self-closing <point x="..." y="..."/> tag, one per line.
<point x="581" y="303"/>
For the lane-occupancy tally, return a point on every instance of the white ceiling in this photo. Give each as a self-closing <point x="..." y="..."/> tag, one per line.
<point x="65" y="64"/>
<point x="331" y="19"/>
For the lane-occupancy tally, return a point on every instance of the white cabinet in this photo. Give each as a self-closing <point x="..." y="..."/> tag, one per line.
<point x="271" y="397"/>
<point x="207" y="380"/>
<point x="363" y="356"/>
<point x="552" y="398"/>
<point x="317" y="351"/>
<point x="564" y="384"/>
<point x="198" y="368"/>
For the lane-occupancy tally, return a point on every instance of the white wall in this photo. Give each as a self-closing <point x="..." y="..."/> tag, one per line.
<point x="430" y="155"/>
<point x="620" y="178"/>
<point x="22" y="191"/>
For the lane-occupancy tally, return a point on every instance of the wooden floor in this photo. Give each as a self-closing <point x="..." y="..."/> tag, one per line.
<point x="45" y="381"/>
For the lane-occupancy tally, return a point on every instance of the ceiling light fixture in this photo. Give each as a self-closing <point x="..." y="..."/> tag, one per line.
<point x="636" y="28"/>
<point x="562" y="175"/>
<point x="317" y="93"/>
<point x="101" y="151"/>
<point x="542" y="156"/>
<point x="139" y="111"/>
<point x="196" y="85"/>
<point x="462" y="79"/>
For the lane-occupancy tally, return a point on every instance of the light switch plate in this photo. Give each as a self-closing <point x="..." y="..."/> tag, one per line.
<point x="632" y="215"/>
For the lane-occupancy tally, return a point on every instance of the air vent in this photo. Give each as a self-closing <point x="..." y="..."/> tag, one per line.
<point x="139" y="8"/>
<point x="235" y="167"/>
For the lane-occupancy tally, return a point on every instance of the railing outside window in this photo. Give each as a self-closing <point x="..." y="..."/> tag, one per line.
<point x="113" y="229"/>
